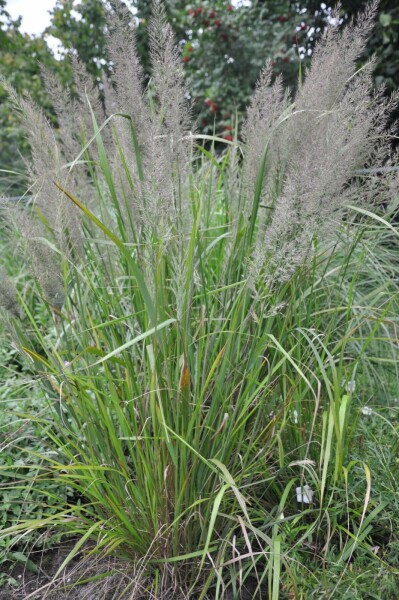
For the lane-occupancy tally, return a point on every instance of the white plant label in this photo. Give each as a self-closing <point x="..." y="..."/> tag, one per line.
<point x="304" y="494"/>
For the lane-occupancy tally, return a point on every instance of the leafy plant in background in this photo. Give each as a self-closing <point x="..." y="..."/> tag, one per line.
<point x="207" y="315"/>
<point x="224" y="48"/>
<point x="22" y="450"/>
<point x="80" y="27"/>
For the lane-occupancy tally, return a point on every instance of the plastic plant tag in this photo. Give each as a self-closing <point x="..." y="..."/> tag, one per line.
<point x="351" y="386"/>
<point x="304" y="495"/>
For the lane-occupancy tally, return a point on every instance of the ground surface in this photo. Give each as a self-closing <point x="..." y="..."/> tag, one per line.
<point x="40" y="586"/>
<point x="120" y="586"/>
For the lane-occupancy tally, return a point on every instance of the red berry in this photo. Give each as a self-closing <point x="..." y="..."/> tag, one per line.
<point x="282" y="19"/>
<point x="186" y="59"/>
<point x="286" y="59"/>
<point x="217" y="22"/>
<point x="230" y="7"/>
<point x="229" y="138"/>
<point x="212" y="14"/>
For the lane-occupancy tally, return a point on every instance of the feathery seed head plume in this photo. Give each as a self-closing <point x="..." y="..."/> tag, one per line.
<point x="336" y="127"/>
<point x="8" y="295"/>
<point x="300" y="155"/>
<point x="41" y="254"/>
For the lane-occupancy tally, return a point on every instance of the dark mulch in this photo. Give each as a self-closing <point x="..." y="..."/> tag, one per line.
<point x="84" y="578"/>
<point x="91" y="572"/>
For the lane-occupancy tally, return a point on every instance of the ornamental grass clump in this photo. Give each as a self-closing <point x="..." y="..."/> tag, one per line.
<point x="204" y="312"/>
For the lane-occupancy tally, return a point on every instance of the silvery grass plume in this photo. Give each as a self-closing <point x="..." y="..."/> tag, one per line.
<point x="161" y="131"/>
<point x="75" y="109"/>
<point x="172" y="118"/>
<point x="297" y="177"/>
<point x="149" y="183"/>
<point x="49" y="230"/>
<point x="36" y="243"/>
<point x="125" y="95"/>
<point x="261" y="131"/>
<point x="52" y="229"/>
<point x="8" y="295"/>
<point x="66" y="107"/>
<point x="44" y="168"/>
<point x="153" y="140"/>
<point x="336" y="126"/>
<point x="74" y="120"/>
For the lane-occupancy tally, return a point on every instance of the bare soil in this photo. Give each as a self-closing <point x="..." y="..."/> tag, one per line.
<point x="95" y="578"/>
<point x="85" y="578"/>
